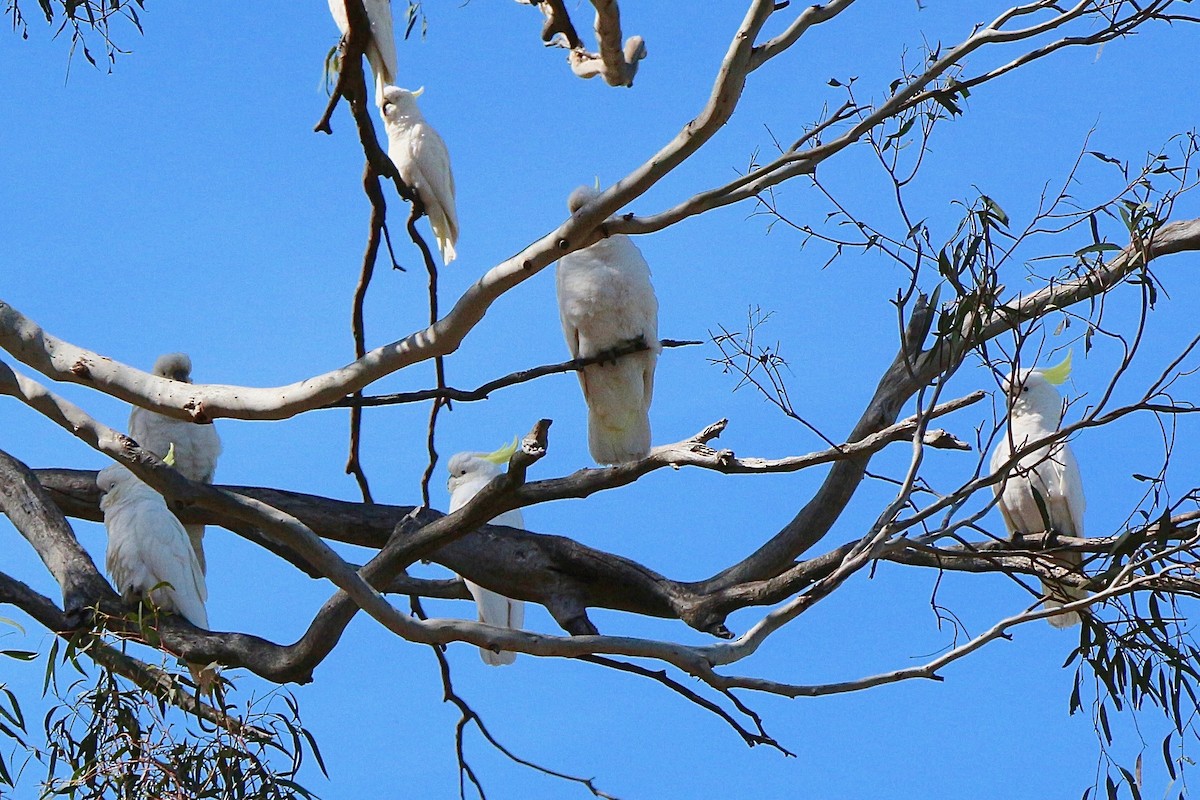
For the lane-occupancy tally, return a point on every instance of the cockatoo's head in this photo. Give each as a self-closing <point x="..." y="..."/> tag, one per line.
<point x="113" y="481"/>
<point x="176" y="366"/>
<point x="465" y="467"/>
<point x="581" y="197"/>
<point x="399" y="103"/>
<point x="110" y="476"/>
<point x="1033" y="393"/>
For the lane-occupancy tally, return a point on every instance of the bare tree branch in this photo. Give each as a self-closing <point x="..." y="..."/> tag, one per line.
<point x="512" y="379"/>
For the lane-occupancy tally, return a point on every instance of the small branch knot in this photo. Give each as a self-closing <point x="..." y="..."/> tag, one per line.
<point x="195" y="410"/>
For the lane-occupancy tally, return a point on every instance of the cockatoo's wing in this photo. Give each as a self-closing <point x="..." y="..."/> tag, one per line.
<point x="570" y="331"/>
<point x="1000" y="454"/>
<point x="1069" y="500"/>
<point x="169" y="557"/>
<point x="197" y="447"/>
<point x="337" y="10"/>
<point x="148" y="547"/>
<point x="1066" y="512"/>
<point x="436" y="185"/>
<point x="496" y="609"/>
<point x="1046" y="472"/>
<point x="493" y="608"/>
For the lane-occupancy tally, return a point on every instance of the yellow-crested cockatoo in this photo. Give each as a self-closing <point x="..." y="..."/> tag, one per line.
<point x="1043" y="491"/>
<point x="196" y="446"/>
<point x="421" y="157"/>
<point x="605" y="299"/>
<point x="381" y="49"/>
<point x="149" y="554"/>
<point x="470" y="472"/>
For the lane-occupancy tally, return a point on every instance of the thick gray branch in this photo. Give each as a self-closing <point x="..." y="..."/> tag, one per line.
<point x="40" y="521"/>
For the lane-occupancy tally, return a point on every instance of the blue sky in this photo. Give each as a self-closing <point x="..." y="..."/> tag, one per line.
<point x="183" y="202"/>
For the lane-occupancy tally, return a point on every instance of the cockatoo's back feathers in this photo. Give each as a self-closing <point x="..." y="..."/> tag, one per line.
<point x="605" y="299"/>
<point x="196" y="447"/>
<point x="148" y="549"/>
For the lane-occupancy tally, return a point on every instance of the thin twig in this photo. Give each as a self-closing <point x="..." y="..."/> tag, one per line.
<point x="512" y="379"/>
<point x="439" y="366"/>
<point x="357" y="325"/>
<point x="660" y="676"/>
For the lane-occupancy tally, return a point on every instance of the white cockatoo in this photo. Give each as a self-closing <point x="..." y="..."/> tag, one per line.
<point x="421" y="157"/>
<point x="381" y="49"/>
<point x="149" y="554"/>
<point x="1043" y="491"/>
<point x="196" y="446"/>
<point x="470" y="472"/>
<point x="605" y="298"/>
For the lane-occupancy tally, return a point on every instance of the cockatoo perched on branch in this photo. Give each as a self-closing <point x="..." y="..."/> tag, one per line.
<point x="421" y="157"/>
<point x="149" y="554"/>
<point x="605" y="299"/>
<point x="470" y="472"/>
<point x="1043" y="491"/>
<point x="196" y="446"/>
<point x="381" y="49"/>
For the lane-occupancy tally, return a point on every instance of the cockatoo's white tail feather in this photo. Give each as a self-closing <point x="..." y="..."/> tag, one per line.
<point x="1061" y="593"/>
<point x="496" y="609"/>
<point x="196" y="537"/>
<point x="1060" y="621"/>
<point x="619" y="408"/>
<point x="617" y="446"/>
<point x="445" y="231"/>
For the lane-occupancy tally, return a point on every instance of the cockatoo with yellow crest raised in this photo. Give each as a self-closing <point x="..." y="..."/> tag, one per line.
<point x="149" y="555"/>
<point x="421" y="157"/>
<point x="1043" y="491"/>
<point x="605" y="299"/>
<point x="196" y="446"/>
<point x="381" y="49"/>
<point x="469" y="473"/>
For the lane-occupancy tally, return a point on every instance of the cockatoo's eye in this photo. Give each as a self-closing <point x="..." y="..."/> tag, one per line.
<point x="387" y="108"/>
<point x="1024" y="389"/>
